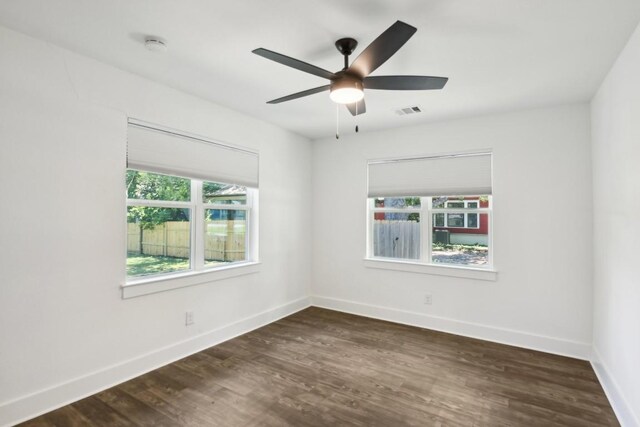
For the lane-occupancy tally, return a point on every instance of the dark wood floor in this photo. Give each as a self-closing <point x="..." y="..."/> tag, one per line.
<point x="320" y="367"/>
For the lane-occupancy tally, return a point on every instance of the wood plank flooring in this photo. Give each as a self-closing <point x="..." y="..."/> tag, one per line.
<point x="320" y="367"/>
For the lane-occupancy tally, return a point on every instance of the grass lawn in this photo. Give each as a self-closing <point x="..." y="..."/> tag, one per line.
<point x="460" y="254"/>
<point x="460" y="248"/>
<point x="141" y="265"/>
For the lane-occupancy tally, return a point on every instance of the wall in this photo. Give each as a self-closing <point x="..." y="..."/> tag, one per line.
<point x="65" y="331"/>
<point x="542" y="297"/>
<point x="615" y="134"/>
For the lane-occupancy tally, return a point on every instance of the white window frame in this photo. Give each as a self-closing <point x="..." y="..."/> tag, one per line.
<point x="426" y="212"/>
<point x="198" y="272"/>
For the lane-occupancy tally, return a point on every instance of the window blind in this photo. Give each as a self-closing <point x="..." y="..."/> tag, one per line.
<point x="455" y="175"/>
<point x="166" y="152"/>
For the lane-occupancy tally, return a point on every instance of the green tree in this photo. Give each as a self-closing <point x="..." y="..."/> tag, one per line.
<point x="151" y="186"/>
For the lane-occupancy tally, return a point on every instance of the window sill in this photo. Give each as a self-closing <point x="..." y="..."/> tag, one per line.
<point x="439" y="270"/>
<point x="146" y="286"/>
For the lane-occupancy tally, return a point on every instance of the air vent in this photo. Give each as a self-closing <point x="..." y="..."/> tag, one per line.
<point x="408" y="110"/>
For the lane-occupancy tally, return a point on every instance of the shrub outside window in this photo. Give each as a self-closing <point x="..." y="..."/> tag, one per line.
<point x="443" y="230"/>
<point x="176" y="224"/>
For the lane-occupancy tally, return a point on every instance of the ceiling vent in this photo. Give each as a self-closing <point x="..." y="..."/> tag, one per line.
<point x="408" y="110"/>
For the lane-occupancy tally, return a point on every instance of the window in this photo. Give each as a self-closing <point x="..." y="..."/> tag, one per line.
<point x="191" y="206"/>
<point x="396" y="231"/>
<point x="168" y="215"/>
<point x="445" y="220"/>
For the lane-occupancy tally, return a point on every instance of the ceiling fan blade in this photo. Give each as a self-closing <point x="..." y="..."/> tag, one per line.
<point x="294" y="63"/>
<point x="362" y="107"/>
<point x="382" y="48"/>
<point x="300" y="94"/>
<point x="404" y="82"/>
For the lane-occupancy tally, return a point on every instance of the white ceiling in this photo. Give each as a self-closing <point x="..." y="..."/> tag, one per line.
<point x="498" y="54"/>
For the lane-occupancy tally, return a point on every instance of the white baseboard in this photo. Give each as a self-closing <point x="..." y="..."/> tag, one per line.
<point x="43" y="401"/>
<point x="621" y="407"/>
<point x="558" y="346"/>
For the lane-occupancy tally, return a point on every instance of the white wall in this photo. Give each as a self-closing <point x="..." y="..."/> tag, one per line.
<point x="542" y="196"/>
<point x="615" y="130"/>
<point x="64" y="329"/>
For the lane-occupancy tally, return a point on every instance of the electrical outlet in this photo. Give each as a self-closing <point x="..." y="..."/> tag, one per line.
<point x="188" y="318"/>
<point x="428" y="299"/>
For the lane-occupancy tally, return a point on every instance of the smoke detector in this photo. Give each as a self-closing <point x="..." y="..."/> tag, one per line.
<point x="155" y="44"/>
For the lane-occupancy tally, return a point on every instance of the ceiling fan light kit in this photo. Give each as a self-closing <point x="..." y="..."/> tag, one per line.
<point x="346" y="90"/>
<point x="347" y="85"/>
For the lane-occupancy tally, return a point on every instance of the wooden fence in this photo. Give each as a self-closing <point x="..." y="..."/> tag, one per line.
<point x="224" y="240"/>
<point x="396" y="239"/>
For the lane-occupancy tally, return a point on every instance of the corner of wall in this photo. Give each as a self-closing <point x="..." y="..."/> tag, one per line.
<point x="623" y="410"/>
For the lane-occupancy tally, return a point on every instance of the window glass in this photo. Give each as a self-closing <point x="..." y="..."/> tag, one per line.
<point x="455" y="220"/>
<point x="225" y="194"/>
<point x="225" y="236"/>
<point x="154" y="186"/>
<point x="158" y="240"/>
<point x="397" y="202"/>
<point x="472" y="220"/>
<point x="438" y="220"/>
<point x="460" y="202"/>
<point x="454" y="248"/>
<point x="396" y="235"/>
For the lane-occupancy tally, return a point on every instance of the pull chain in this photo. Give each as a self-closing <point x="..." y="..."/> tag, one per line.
<point x="337" y="121"/>
<point x="356" y="117"/>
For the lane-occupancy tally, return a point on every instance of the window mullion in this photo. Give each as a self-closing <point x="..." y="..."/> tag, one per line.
<point x="396" y="210"/>
<point x="233" y="207"/>
<point x="198" y="231"/>
<point x="460" y="210"/>
<point x="250" y="226"/>
<point x="370" y="226"/>
<point x="490" y="232"/>
<point x="426" y="234"/>
<point x="158" y="203"/>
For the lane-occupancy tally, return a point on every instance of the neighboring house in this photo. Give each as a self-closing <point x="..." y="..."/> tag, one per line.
<point x="228" y="195"/>
<point x="464" y="228"/>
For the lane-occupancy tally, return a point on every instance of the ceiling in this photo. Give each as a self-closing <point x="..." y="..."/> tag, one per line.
<point x="499" y="55"/>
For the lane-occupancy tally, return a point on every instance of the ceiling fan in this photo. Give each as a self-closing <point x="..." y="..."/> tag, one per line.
<point x="347" y="85"/>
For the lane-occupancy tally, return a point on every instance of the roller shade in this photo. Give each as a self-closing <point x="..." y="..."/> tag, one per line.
<point x="170" y="153"/>
<point x="459" y="175"/>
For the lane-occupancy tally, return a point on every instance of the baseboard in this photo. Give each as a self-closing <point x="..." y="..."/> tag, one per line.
<point x="43" y="401"/>
<point x="621" y="407"/>
<point x="561" y="347"/>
